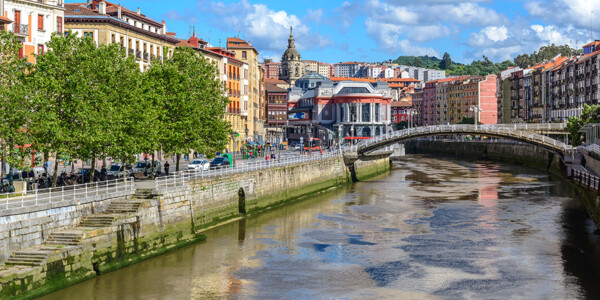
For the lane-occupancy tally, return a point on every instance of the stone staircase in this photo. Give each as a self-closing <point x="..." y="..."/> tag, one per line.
<point x="97" y="220"/>
<point x="124" y="206"/>
<point x="66" y="238"/>
<point x="30" y="257"/>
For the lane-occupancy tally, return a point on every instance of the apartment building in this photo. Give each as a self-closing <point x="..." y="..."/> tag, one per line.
<point x="246" y="53"/>
<point x="105" y="22"/>
<point x="33" y="22"/>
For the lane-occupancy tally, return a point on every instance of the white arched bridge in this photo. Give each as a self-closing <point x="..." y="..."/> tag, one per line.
<point x="527" y="133"/>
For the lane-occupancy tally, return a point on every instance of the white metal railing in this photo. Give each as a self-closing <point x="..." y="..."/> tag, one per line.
<point x="65" y="193"/>
<point x="181" y="178"/>
<point x="518" y="131"/>
<point x="594" y="148"/>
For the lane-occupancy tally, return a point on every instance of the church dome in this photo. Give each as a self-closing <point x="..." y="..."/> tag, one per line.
<point x="291" y="53"/>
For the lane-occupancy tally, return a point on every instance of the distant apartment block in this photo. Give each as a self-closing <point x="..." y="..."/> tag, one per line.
<point x="350" y="69"/>
<point x="422" y="74"/>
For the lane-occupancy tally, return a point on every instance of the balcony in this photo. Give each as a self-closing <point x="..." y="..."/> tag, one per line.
<point x="139" y="54"/>
<point x="131" y="52"/>
<point x="21" y="29"/>
<point x="146" y="56"/>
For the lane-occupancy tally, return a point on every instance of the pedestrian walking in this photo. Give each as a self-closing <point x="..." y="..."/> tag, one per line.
<point x="167" y="168"/>
<point x="103" y="173"/>
<point x="321" y="152"/>
<point x="46" y="166"/>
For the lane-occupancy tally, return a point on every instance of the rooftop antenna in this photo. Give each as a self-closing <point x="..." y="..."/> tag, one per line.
<point x="591" y="26"/>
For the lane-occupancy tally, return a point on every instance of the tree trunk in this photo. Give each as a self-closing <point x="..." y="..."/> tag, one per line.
<point x="177" y="163"/>
<point x="2" y="170"/>
<point x="152" y="167"/>
<point x="93" y="168"/>
<point x="55" y="175"/>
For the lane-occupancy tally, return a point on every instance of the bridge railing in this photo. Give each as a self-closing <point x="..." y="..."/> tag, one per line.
<point x="519" y="131"/>
<point x="182" y="178"/>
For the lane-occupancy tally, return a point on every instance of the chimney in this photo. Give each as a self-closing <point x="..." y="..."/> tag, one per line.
<point x="102" y="7"/>
<point x="139" y="12"/>
<point x="164" y="28"/>
<point x="119" y="12"/>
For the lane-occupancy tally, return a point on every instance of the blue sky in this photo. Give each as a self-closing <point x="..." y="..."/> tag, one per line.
<point x="376" y="30"/>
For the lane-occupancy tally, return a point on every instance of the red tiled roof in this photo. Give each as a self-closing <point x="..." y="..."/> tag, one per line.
<point x="596" y="42"/>
<point x="78" y="12"/>
<point x="5" y="20"/>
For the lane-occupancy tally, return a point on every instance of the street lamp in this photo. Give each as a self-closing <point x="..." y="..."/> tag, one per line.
<point x="475" y="109"/>
<point x="234" y="136"/>
<point x="310" y="138"/>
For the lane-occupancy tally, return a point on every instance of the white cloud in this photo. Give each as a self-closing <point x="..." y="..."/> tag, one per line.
<point x="409" y="49"/>
<point x="551" y="34"/>
<point x="496" y="33"/>
<point x="314" y="15"/>
<point x="427" y="32"/>
<point x="267" y="29"/>
<point x="565" y="12"/>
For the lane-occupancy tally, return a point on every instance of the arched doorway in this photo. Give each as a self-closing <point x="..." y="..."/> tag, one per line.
<point x="366" y="132"/>
<point x="242" y="201"/>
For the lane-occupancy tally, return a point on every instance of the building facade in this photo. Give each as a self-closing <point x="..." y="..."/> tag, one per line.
<point x="33" y="22"/>
<point x="276" y="111"/>
<point x="106" y="23"/>
<point x="272" y="70"/>
<point x="335" y="112"/>
<point x="253" y="75"/>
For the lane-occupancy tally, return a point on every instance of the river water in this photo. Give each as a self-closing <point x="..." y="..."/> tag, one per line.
<point x="431" y="228"/>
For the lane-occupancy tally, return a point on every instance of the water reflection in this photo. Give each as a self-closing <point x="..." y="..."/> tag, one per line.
<point x="431" y="227"/>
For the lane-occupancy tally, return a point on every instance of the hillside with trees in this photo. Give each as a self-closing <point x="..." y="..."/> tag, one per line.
<point x="486" y="66"/>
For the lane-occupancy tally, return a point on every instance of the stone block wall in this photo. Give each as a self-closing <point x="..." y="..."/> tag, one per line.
<point x="30" y="226"/>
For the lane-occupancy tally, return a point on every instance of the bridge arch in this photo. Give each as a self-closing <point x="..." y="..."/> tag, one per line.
<point x="518" y="133"/>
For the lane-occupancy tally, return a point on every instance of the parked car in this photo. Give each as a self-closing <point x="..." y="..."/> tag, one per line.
<point x="118" y="170"/>
<point x="219" y="162"/>
<point x="144" y="167"/>
<point x="83" y="175"/>
<point x="199" y="165"/>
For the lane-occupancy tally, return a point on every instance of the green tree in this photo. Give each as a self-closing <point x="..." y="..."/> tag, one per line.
<point x="446" y="62"/>
<point x="401" y="125"/>
<point x="417" y="62"/>
<point x="14" y="114"/>
<point x="63" y="83"/>
<point x="192" y="104"/>
<point x="589" y="114"/>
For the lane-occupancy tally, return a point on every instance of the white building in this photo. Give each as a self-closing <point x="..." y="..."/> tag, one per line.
<point x="33" y="22"/>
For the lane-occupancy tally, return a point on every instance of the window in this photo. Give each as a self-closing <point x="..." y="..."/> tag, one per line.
<point x="40" y="49"/>
<point x="88" y="34"/>
<point x="59" y="24"/>
<point x="244" y="55"/>
<point x="40" y="22"/>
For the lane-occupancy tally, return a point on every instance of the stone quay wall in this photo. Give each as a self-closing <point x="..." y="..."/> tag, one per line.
<point x="31" y="225"/>
<point x="519" y="153"/>
<point x="175" y="217"/>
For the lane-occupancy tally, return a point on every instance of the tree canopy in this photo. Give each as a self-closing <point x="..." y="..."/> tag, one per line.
<point x="84" y="101"/>
<point x="589" y="114"/>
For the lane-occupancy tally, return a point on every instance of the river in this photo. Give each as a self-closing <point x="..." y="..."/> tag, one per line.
<point x="430" y="228"/>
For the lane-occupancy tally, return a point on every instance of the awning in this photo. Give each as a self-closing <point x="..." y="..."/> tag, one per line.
<point x="5" y="20"/>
